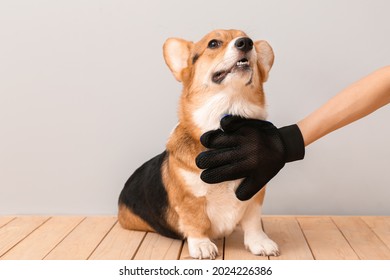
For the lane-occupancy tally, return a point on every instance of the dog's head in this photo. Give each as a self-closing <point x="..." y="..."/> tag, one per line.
<point x="221" y="74"/>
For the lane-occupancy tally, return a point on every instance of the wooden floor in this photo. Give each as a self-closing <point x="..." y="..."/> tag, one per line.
<point x="96" y="238"/>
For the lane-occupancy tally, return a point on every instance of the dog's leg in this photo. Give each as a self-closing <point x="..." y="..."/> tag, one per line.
<point x="195" y="224"/>
<point x="255" y="239"/>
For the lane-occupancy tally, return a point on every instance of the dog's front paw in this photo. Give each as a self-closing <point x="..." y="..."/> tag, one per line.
<point x="262" y="246"/>
<point x="202" y="248"/>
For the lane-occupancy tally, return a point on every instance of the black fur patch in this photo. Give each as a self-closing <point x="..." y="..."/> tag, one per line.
<point x="195" y="58"/>
<point x="145" y="194"/>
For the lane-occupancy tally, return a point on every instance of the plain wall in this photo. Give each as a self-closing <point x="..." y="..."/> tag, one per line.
<point x="86" y="98"/>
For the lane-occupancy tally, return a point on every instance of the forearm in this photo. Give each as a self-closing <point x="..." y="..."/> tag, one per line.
<point x="356" y="101"/>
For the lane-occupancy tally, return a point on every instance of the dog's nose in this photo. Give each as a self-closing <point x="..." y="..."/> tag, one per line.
<point x="244" y="44"/>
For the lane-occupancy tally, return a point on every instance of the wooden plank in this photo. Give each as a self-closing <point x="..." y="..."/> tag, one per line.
<point x="185" y="254"/>
<point x="5" y="220"/>
<point x="40" y="242"/>
<point x="16" y="230"/>
<point x="158" y="247"/>
<point x="286" y="232"/>
<point x="381" y="227"/>
<point x="235" y="249"/>
<point x="119" y="244"/>
<point x="325" y="240"/>
<point x="362" y="239"/>
<point x="96" y="238"/>
<point x="83" y="240"/>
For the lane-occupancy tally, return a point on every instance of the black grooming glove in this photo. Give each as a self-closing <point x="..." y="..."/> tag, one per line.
<point x="252" y="149"/>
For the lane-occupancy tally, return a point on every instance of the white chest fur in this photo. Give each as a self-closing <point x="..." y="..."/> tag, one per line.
<point x="222" y="103"/>
<point x="223" y="208"/>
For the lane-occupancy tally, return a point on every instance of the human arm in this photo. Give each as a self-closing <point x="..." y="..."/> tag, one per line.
<point x="355" y="102"/>
<point x="257" y="150"/>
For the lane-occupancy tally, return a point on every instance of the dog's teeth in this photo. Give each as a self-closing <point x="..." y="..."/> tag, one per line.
<point x="240" y="63"/>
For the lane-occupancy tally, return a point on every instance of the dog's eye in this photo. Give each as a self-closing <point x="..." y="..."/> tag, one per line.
<point x="213" y="44"/>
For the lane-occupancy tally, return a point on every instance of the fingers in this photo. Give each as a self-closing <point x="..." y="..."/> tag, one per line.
<point x="231" y="123"/>
<point x="248" y="188"/>
<point x="217" y="139"/>
<point x="216" y="158"/>
<point x="208" y="137"/>
<point x="225" y="137"/>
<point x="223" y="173"/>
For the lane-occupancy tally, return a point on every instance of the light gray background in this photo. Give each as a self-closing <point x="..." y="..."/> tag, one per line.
<point x="85" y="98"/>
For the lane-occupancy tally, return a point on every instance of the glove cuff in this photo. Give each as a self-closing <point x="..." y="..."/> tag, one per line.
<point x="294" y="143"/>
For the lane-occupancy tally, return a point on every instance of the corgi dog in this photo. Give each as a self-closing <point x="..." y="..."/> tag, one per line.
<point x="221" y="74"/>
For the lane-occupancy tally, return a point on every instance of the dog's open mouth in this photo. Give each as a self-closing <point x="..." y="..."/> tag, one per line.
<point x="241" y="65"/>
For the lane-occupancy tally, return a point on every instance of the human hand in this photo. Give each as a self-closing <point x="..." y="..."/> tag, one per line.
<point x="246" y="148"/>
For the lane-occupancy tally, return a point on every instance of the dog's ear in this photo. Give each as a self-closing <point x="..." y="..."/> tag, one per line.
<point x="265" y="58"/>
<point x="176" y="54"/>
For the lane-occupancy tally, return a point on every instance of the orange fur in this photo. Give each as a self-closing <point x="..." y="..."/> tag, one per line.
<point x="183" y="145"/>
<point x="191" y="63"/>
<point x="129" y="220"/>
